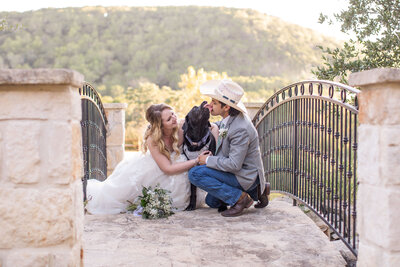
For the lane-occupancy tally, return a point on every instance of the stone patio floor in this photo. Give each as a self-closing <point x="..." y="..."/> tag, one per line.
<point x="279" y="235"/>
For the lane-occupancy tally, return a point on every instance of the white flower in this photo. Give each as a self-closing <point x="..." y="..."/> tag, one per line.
<point x="155" y="203"/>
<point x="153" y="212"/>
<point x="223" y="132"/>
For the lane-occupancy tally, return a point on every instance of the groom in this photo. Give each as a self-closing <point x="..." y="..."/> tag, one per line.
<point x="234" y="176"/>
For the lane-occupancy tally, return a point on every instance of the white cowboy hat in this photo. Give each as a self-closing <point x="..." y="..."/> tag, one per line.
<point x="225" y="91"/>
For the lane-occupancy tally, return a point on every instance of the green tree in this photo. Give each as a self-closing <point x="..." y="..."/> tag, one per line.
<point x="125" y="45"/>
<point x="375" y="24"/>
<point x="258" y="88"/>
<point x="138" y="100"/>
<point x="3" y="24"/>
<point x="190" y="82"/>
<point x="140" y="96"/>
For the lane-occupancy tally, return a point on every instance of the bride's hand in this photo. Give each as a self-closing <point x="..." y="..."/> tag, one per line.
<point x="196" y="161"/>
<point x="213" y="126"/>
<point x="214" y="130"/>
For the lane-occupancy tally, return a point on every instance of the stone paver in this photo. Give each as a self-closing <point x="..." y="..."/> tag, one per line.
<point x="280" y="235"/>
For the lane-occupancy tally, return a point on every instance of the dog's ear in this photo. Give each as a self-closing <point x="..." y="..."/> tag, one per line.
<point x="185" y="124"/>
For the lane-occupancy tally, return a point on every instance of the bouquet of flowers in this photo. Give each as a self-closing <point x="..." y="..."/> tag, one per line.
<point x="153" y="204"/>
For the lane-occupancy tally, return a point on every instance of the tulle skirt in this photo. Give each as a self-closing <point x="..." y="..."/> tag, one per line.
<point x="136" y="171"/>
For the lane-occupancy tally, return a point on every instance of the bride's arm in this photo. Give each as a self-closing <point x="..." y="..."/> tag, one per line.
<point x="165" y="164"/>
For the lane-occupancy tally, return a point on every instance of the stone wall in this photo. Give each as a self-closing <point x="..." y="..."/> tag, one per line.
<point x="378" y="169"/>
<point x="115" y="113"/>
<point x="40" y="168"/>
<point x="252" y="108"/>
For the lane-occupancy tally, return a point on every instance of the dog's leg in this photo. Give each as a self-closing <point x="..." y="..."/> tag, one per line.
<point x="193" y="196"/>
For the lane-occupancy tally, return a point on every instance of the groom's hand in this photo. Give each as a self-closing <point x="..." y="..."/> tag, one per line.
<point x="203" y="157"/>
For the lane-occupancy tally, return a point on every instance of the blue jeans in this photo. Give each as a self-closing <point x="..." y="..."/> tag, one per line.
<point x="223" y="188"/>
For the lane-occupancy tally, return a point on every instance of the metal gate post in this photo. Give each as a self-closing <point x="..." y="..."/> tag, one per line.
<point x="295" y="152"/>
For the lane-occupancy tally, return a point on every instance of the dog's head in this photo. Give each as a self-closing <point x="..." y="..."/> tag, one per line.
<point x="196" y="124"/>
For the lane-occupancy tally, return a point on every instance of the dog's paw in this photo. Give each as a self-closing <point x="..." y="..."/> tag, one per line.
<point x="222" y="208"/>
<point x="190" y="207"/>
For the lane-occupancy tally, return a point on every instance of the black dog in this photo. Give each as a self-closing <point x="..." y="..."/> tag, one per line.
<point x="197" y="137"/>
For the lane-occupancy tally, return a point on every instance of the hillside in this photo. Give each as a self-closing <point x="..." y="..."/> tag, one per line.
<point x="125" y="45"/>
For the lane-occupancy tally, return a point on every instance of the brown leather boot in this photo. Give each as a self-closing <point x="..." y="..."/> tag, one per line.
<point x="244" y="202"/>
<point x="263" y="198"/>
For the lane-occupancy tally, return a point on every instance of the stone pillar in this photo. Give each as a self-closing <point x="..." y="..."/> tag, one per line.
<point x="115" y="113"/>
<point x="41" y="198"/>
<point x="252" y="108"/>
<point x="378" y="197"/>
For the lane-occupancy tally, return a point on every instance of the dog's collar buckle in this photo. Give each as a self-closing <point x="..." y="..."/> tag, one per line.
<point x="202" y="142"/>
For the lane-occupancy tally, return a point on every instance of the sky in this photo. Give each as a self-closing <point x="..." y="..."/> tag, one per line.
<point x="302" y="12"/>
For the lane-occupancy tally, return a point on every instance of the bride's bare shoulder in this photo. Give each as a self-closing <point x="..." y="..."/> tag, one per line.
<point x="150" y="143"/>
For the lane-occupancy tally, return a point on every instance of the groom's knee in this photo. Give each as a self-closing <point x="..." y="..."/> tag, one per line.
<point x="195" y="173"/>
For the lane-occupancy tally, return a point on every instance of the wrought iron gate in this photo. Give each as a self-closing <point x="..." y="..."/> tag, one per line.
<point x="94" y="131"/>
<point x="308" y="140"/>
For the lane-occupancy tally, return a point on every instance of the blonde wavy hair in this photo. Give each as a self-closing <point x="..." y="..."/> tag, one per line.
<point x="154" y="129"/>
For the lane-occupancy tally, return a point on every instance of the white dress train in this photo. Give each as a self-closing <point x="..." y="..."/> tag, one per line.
<point x="127" y="180"/>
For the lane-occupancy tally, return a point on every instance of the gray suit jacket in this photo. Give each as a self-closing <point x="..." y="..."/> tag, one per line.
<point x="239" y="153"/>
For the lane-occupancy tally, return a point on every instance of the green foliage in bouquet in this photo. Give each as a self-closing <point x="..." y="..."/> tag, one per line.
<point x="156" y="203"/>
<point x="132" y="206"/>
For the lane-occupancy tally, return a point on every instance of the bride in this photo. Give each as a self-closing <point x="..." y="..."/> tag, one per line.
<point x="160" y="163"/>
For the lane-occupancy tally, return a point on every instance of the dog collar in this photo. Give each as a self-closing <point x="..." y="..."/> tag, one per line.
<point x="202" y="142"/>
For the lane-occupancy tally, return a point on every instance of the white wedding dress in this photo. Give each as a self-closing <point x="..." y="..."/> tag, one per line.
<point x="127" y="180"/>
